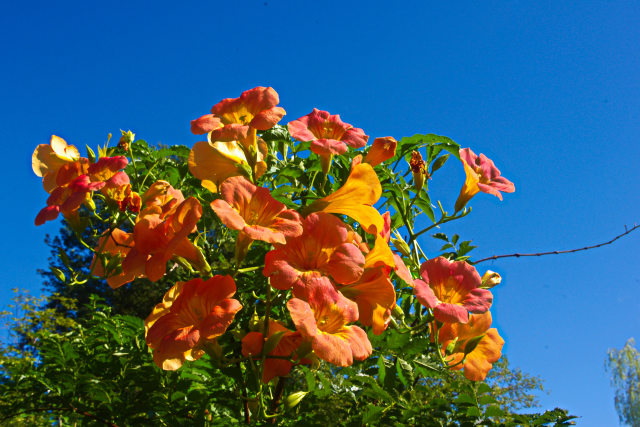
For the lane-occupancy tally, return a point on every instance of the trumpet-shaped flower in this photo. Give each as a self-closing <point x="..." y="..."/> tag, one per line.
<point x="213" y="162"/>
<point x="257" y="215"/>
<point x="374" y="292"/>
<point x="452" y="290"/>
<point x="488" y="345"/>
<point x="325" y="248"/>
<point x="482" y="175"/>
<point x="161" y="198"/>
<point x="158" y="238"/>
<point x="192" y="314"/>
<point x="47" y="160"/>
<point x="356" y="199"/>
<point x="288" y="342"/>
<point x="322" y="320"/>
<point x="253" y="211"/>
<point x="381" y="150"/>
<point x="255" y="107"/>
<point x="114" y="246"/>
<point x="328" y="133"/>
<point x="75" y="182"/>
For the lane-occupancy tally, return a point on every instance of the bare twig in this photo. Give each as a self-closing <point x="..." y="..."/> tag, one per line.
<point x="518" y="255"/>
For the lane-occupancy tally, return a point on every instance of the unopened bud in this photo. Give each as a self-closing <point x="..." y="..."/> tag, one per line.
<point x="58" y="273"/>
<point x="419" y="170"/>
<point x="294" y="399"/>
<point x="397" y="312"/>
<point x="256" y="323"/>
<point x="90" y="204"/>
<point x="490" y="279"/>
<point x="401" y="245"/>
<point x="127" y="138"/>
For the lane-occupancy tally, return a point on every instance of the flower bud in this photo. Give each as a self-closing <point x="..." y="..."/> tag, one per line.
<point x="397" y="312"/>
<point x="419" y="170"/>
<point x="401" y="245"/>
<point x="490" y="279"/>
<point x="294" y="399"/>
<point x="126" y="139"/>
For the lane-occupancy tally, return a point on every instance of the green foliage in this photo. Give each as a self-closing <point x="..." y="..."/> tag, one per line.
<point x="624" y="367"/>
<point x="79" y="361"/>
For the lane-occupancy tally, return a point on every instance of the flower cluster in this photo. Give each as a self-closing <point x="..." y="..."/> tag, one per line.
<point x="326" y="274"/>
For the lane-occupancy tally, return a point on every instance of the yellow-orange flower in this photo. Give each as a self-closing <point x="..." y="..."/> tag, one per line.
<point x="373" y="292"/>
<point x="356" y="199"/>
<point x="487" y="351"/>
<point x="482" y="175"/>
<point x="158" y="238"/>
<point x="322" y="320"/>
<point x="257" y="215"/>
<point x="382" y="149"/>
<point x="47" y="160"/>
<point x="325" y="248"/>
<point x="452" y="290"/>
<point x="191" y="314"/>
<point x="214" y="161"/>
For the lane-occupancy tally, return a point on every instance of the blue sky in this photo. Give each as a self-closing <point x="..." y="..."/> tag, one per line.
<point x="548" y="90"/>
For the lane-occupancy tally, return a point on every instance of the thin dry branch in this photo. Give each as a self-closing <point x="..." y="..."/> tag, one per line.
<point x="518" y="255"/>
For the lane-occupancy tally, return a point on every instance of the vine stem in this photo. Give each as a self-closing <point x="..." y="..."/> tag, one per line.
<point x="586" y="248"/>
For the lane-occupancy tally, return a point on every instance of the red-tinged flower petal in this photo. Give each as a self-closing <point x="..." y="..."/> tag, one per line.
<point x="309" y="255"/>
<point x="253" y="343"/>
<point x="323" y="319"/>
<point x="356" y="199"/>
<point x="255" y="107"/>
<point x="252" y="210"/>
<point x="326" y="147"/>
<point x="320" y="125"/>
<point x="83" y="184"/>
<point x="334" y="348"/>
<point x="402" y="271"/>
<point x="266" y="119"/>
<point x="382" y="149"/>
<point x="221" y="316"/>
<point x="451" y="313"/>
<point x="106" y="167"/>
<point x="205" y="124"/>
<point x="119" y="179"/>
<point x="47" y="214"/>
<point x="191" y="314"/>
<point x="302" y="317"/>
<point x="451" y="289"/>
<point x="481" y="175"/>
<point x="346" y="263"/>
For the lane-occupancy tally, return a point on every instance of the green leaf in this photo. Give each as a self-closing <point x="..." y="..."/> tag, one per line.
<point x="464" y="399"/>
<point x="405" y="372"/>
<point x="439" y="162"/>
<point x="441" y="236"/>
<point x="371" y="413"/>
<point x="494" y="411"/>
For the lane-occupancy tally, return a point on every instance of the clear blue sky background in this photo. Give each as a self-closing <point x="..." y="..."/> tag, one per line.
<point x="549" y="90"/>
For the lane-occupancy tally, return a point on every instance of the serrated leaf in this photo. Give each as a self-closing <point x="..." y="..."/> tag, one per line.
<point x="371" y="413"/>
<point x="494" y="411"/>
<point x="464" y="399"/>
